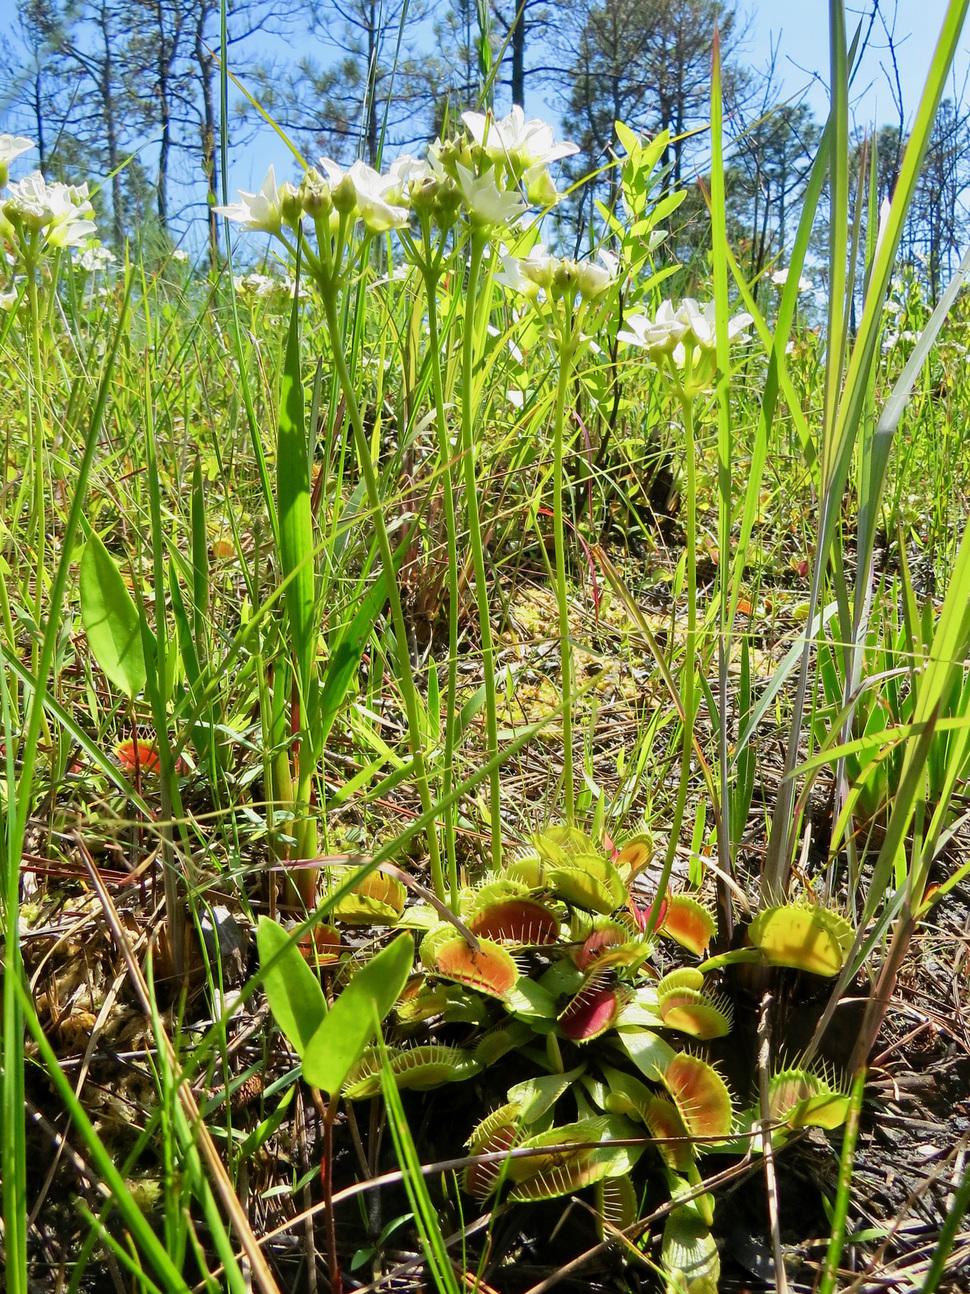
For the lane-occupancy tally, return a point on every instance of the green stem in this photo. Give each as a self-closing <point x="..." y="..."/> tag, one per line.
<point x="36" y="417"/>
<point x="840" y="1213"/>
<point x="468" y="412"/>
<point x="451" y="528"/>
<point x="690" y="646"/>
<point x="329" y="295"/>
<point x="562" y="593"/>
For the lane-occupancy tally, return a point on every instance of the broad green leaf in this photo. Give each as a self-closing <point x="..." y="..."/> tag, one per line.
<point x="292" y="990"/>
<point x="538" y="1095"/>
<point x="111" y="620"/>
<point x="355" y="1017"/>
<point x="648" y="1051"/>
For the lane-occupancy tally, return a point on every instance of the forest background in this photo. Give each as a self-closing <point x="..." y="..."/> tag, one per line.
<point x="129" y="90"/>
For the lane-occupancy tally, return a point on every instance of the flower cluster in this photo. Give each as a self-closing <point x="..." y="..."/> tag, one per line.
<point x="685" y="335"/>
<point x="61" y="214"/>
<point x="494" y="173"/>
<point x="263" y="287"/>
<point x="37" y="217"/>
<point x="540" y="276"/>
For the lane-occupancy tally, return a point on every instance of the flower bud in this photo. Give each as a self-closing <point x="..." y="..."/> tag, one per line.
<point x="452" y="153"/>
<point x="291" y="205"/>
<point x="315" y="194"/>
<point x="539" y="187"/>
<point x="424" y="195"/>
<point x="564" y="280"/>
<point x="345" y="196"/>
<point x="447" y="203"/>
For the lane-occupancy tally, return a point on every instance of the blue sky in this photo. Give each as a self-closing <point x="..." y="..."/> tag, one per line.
<point x="798" y="29"/>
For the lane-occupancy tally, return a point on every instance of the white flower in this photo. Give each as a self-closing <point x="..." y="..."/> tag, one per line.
<point x="673" y="329"/>
<point x="511" y="275"/>
<point x="11" y="146"/>
<point x="263" y="286"/>
<point x="486" y="203"/>
<point x="551" y="274"/>
<point x="180" y="255"/>
<point x="9" y="299"/>
<point x="592" y="279"/>
<point x="372" y="194"/>
<point x="62" y="211"/>
<point x="699" y="321"/>
<point x="658" y="336"/>
<point x="96" y="258"/>
<point x="780" y="278"/>
<point x="262" y="211"/>
<point x="404" y="173"/>
<point x="523" y="143"/>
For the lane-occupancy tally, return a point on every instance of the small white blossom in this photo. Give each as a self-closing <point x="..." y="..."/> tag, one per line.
<point x="9" y="299"/>
<point x="372" y="194"/>
<point x="262" y="211"/>
<point x="403" y="174"/>
<point x="592" y="279"/>
<point x="699" y="321"/>
<point x="63" y="212"/>
<point x="550" y="274"/>
<point x="263" y="286"/>
<point x="11" y="146"/>
<point x="180" y="255"/>
<point x="487" y="204"/>
<point x="96" y="258"/>
<point x="658" y="336"/>
<point x="523" y="143"/>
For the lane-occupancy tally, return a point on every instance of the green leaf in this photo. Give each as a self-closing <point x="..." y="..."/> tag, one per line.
<point x="355" y="1017"/>
<point x="292" y="990"/>
<point x="538" y="1095"/>
<point x="111" y="620"/>
<point x="346" y="657"/>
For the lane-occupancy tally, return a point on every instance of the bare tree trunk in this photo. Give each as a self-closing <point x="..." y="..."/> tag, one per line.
<point x="106" y="88"/>
<point x="206" y="65"/>
<point x="167" y="51"/>
<point x="518" y="56"/>
<point x="37" y="106"/>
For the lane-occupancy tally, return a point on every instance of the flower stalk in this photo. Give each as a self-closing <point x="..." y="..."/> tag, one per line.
<point x="468" y="414"/>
